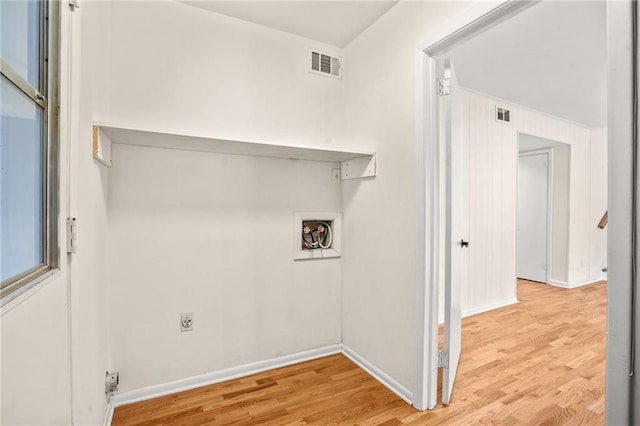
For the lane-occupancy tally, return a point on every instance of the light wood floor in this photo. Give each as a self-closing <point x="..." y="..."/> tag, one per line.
<point x="539" y="362"/>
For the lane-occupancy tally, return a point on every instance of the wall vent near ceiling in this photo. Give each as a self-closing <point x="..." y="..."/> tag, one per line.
<point x="503" y="115"/>
<point x="324" y="64"/>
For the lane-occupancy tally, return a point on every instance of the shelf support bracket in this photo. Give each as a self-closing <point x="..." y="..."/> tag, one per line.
<point x="360" y="167"/>
<point x="101" y="146"/>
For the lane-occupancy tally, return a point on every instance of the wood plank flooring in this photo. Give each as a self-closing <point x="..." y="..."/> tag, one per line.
<point x="538" y="362"/>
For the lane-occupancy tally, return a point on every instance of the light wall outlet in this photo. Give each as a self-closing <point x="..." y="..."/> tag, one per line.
<point x="186" y="321"/>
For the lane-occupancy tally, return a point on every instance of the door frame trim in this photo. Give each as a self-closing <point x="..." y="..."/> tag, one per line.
<point x="622" y="89"/>
<point x="470" y="23"/>
<point x="549" y="153"/>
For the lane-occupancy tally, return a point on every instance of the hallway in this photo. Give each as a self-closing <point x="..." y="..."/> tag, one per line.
<point x="541" y="361"/>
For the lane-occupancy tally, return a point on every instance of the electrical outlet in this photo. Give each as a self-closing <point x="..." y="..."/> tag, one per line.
<point x="335" y="175"/>
<point x="186" y="321"/>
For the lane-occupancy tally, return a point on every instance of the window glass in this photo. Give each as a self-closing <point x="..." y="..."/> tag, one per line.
<point x="21" y="182"/>
<point x="20" y="38"/>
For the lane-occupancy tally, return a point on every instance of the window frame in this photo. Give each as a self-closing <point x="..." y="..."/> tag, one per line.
<point x="48" y="99"/>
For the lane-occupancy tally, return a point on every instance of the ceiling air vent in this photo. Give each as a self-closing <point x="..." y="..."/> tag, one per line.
<point x="503" y="115"/>
<point x="324" y="64"/>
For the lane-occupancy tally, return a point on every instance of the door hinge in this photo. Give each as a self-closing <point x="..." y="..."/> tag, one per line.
<point x="443" y="359"/>
<point x="72" y="235"/>
<point x="73" y="5"/>
<point x="444" y="87"/>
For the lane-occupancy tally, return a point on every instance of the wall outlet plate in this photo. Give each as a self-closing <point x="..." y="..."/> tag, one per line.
<point x="186" y="321"/>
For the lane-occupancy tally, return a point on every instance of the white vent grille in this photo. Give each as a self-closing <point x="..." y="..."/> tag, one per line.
<point x="503" y="115"/>
<point x="324" y="64"/>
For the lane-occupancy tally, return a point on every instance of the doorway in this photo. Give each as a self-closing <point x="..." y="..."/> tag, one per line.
<point x="533" y="216"/>
<point x="543" y="223"/>
<point x="490" y="239"/>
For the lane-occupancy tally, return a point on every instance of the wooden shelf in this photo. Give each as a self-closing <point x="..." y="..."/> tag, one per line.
<point x="354" y="164"/>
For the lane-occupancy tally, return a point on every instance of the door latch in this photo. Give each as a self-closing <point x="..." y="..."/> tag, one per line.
<point x="464" y="243"/>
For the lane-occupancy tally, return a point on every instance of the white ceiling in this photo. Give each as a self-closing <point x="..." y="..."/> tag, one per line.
<point x="331" y="22"/>
<point x="551" y="58"/>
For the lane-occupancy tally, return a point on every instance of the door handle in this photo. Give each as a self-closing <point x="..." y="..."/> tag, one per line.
<point x="464" y="243"/>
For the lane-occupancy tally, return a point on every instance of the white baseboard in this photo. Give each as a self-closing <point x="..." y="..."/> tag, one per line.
<point x="213" y="377"/>
<point x="393" y="385"/>
<point x="484" y="308"/>
<point x="558" y="283"/>
<point x="137" y="395"/>
<point x="109" y="414"/>
<point x="489" y="307"/>
<point x="575" y="284"/>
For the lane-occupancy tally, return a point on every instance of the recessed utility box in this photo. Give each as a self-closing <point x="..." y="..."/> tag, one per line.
<point x="317" y="235"/>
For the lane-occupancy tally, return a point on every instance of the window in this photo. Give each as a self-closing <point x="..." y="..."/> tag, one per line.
<point x="28" y="142"/>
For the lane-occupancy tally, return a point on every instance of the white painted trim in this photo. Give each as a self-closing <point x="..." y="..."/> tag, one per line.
<point x="181" y="385"/>
<point x="558" y="283"/>
<point x="622" y="79"/>
<point x="428" y="209"/>
<point x="393" y="385"/>
<point x="137" y="395"/>
<point x="484" y="308"/>
<point x="423" y="326"/>
<point x="472" y="21"/>
<point x="16" y="298"/>
<point x="109" y="413"/>
<point x="480" y="17"/>
<point x="564" y="284"/>
<point x="489" y="307"/>
<point x="427" y="229"/>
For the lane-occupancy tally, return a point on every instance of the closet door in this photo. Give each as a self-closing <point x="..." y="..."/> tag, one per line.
<point x="533" y="216"/>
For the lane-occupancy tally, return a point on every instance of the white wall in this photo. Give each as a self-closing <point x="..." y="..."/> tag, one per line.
<point x="599" y="204"/>
<point x="493" y="176"/>
<point x="560" y="214"/>
<point x="213" y="234"/>
<point x="197" y="72"/>
<point x="34" y="327"/>
<point x="201" y="73"/>
<point x="379" y="303"/>
<point x="581" y="223"/>
<point x="493" y="155"/>
<point x="88" y="75"/>
<point x="207" y="233"/>
<point x="35" y="357"/>
<point x="561" y="159"/>
<point x="379" y="312"/>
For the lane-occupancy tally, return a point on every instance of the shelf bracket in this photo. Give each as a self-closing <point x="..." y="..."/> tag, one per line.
<point x="360" y="167"/>
<point x="101" y="146"/>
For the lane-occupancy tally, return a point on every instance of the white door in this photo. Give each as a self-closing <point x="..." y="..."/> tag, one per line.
<point x="455" y="241"/>
<point x="533" y="221"/>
